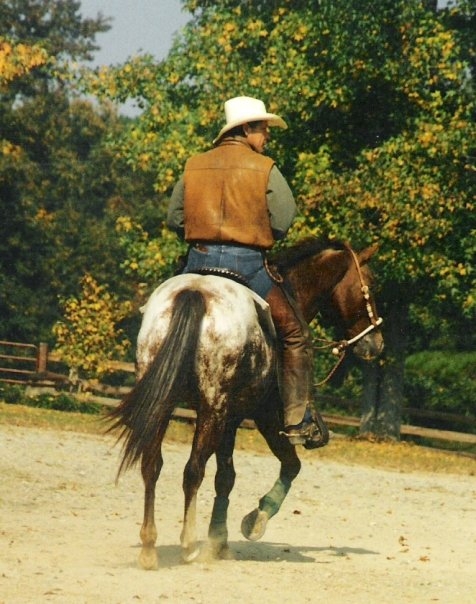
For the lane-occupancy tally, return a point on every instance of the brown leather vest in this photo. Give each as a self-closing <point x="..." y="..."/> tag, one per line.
<point x="225" y="196"/>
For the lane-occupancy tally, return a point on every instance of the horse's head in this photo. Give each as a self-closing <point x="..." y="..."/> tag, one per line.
<point x="355" y="307"/>
<point x="331" y="279"/>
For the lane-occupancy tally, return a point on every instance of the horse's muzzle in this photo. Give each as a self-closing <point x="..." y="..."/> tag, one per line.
<point x="370" y="346"/>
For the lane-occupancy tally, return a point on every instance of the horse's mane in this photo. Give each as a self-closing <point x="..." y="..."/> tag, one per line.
<point x="286" y="258"/>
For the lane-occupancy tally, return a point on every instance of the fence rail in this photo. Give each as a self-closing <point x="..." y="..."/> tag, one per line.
<point x="27" y="363"/>
<point x="39" y="358"/>
<point x="16" y="359"/>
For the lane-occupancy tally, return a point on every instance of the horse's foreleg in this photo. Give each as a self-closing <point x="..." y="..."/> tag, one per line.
<point x="224" y="482"/>
<point x="254" y="524"/>
<point x="148" y="558"/>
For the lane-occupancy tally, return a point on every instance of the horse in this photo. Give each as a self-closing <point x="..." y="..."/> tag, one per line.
<point x="209" y="342"/>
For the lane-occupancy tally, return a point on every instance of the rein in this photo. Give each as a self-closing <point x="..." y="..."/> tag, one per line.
<point x="340" y="348"/>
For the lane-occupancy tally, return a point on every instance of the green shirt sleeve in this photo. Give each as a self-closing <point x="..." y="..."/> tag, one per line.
<point x="281" y="205"/>
<point x="175" y="219"/>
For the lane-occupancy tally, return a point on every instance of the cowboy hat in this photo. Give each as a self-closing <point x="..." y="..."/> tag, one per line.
<point x="244" y="109"/>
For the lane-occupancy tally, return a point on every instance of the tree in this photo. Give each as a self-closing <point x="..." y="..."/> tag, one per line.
<point x="60" y="188"/>
<point x="414" y="194"/>
<point x="88" y="335"/>
<point x="56" y="27"/>
<point x="381" y="105"/>
<point x="16" y="61"/>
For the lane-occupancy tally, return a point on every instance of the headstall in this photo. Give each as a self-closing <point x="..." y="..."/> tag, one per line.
<point x="374" y="322"/>
<point x="339" y="348"/>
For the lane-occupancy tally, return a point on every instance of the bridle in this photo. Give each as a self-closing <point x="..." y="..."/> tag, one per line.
<point x="374" y="322"/>
<point x="340" y="348"/>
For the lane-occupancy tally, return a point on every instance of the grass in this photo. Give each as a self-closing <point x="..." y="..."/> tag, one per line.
<point x="401" y="457"/>
<point x="37" y="417"/>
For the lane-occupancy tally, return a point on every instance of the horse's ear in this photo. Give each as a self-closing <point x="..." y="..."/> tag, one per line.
<point x="365" y="255"/>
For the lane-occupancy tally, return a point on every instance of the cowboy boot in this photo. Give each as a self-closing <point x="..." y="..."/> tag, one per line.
<point x="303" y="425"/>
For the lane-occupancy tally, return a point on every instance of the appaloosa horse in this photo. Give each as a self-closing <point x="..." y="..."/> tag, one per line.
<point x="209" y="342"/>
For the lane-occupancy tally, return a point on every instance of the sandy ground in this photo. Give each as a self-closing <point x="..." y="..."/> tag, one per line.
<point x="345" y="534"/>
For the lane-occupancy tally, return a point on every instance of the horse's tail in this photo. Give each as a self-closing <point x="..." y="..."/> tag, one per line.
<point x="143" y="415"/>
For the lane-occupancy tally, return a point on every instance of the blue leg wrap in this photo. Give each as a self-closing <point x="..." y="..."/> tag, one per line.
<point x="272" y="501"/>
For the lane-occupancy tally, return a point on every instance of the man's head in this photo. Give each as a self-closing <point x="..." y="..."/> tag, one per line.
<point x="248" y="117"/>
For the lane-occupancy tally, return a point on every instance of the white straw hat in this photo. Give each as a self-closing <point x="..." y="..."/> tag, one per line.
<point x="244" y="109"/>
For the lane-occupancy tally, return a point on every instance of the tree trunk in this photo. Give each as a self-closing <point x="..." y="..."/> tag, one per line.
<point x="383" y="380"/>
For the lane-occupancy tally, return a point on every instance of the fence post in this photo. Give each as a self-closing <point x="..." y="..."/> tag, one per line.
<point x="42" y="358"/>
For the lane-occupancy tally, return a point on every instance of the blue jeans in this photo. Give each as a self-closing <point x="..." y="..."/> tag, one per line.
<point x="242" y="260"/>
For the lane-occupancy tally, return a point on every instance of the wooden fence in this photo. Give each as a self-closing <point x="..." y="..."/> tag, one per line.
<point x="30" y="365"/>
<point x="27" y="363"/>
<point x="19" y="362"/>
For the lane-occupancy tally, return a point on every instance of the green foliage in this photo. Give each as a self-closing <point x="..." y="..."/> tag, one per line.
<point x="434" y="381"/>
<point x="413" y="196"/>
<point x="442" y="381"/>
<point x="13" y="395"/>
<point x="16" y="395"/>
<point x="62" y="402"/>
<point x="58" y="28"/>
<point x="436" y="325"/>
<point x="61" y="190"/>
<point x="60" y="200"/>
<point x="151" y="260"/>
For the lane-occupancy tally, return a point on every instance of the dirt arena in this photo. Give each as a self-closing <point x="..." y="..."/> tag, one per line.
<point x="345" y="534"/>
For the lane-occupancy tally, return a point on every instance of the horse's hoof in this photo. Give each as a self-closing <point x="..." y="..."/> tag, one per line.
<point x="253" y="525"/>
<point x="220" y="551"/>
<point x="225" y="553"/>
<point x="148" y="558"/>
<point x="189" y="554"/>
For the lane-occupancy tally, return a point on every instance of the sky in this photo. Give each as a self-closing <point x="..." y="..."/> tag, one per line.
<point x="138" y="26"/>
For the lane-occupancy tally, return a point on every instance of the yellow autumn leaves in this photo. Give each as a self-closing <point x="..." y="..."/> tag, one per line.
<point x="88" y="336"/>
<point x="148" y="259"/>
<point x="16" y="60"/>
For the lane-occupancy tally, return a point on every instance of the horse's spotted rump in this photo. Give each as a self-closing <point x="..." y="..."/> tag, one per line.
<point x="236" y="320"/>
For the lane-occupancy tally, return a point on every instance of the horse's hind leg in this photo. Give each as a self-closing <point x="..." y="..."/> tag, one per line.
<point x="151" y="466"/>
<point x="207" y="435"/>
<point x="193" y="476"/>
<point x="224" y="482"/>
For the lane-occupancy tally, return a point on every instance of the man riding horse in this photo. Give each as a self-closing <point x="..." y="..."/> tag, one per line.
<point x="230" y="205"/>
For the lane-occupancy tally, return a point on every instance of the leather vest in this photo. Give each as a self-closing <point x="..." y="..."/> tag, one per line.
<point x="225" y="196"/>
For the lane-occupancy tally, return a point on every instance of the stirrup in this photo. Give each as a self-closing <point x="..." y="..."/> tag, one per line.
<point x="312" y="432"/>
<point x="320" y="436"/>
